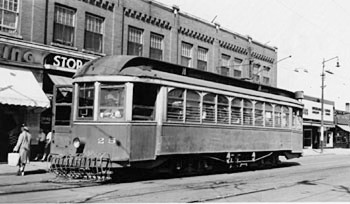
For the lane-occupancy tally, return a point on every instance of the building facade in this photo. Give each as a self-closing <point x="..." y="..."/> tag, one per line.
<point x="342" y="128"/>
<point x="43" y="43"/>
<point x="312" y="122"/>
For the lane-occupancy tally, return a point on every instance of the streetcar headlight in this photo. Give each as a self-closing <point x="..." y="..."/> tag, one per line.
<point x="76" y="142"/>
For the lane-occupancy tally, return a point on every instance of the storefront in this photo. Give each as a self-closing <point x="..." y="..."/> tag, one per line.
<point x="21" y="101"/>
<point x="28" y="73"/>
<point x="312" y="123"/>
<point x="342" y="129"/>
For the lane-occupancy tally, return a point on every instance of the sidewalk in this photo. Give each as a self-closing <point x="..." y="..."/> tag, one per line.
<point x="32" y="167"/>
<point x="326" y="151"/>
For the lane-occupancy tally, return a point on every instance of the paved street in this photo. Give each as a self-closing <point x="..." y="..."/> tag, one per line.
<point x="314" y="178"/>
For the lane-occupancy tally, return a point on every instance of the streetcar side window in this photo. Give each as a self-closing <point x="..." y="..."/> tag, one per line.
<point x="86" y="92"/>
<point x="268" y="115"/>
<point x="247" y="112"/>
<point x="285" y="117"/>
<point x="223" y="110"/>
<point x="208" y="113"/>
<point x="259" y="113"/>
<point x="278" y="116"/>
<point x="297" y="122"/>
<point x="175" y="109"/>
<point x="112" y="102"/>
<point x="236" y="111"/>
<point x="193" y="101"/>
<point x="144" y="98"/>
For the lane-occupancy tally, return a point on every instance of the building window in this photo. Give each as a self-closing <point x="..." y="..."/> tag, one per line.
<point x="186" y="54"/>
<point x="225" y="64"/>
<point x="64" y="25"/>
<point x="135" y="40"/>
<point x="266" y="75"/>
<point x="156" y="48"/>
<point x="9" y="16"/>
<point x="266" y="80"/>
<point x="237" y="71"/>
<point x="93" y="33"/>
<point x="202" y="58"/>
<point x="256" y="72"/>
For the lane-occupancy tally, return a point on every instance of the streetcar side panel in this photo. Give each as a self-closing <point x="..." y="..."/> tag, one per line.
<point x="143" y="142"/>
<point x="180" y="139"/>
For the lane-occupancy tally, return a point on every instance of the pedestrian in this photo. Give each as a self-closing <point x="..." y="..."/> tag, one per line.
<point x="23" y="146"/>
<point x="47" y="144"/>
<point x="42" y="141"/>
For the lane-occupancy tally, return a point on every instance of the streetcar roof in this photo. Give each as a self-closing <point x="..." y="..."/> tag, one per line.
<point x="140" y="66"/>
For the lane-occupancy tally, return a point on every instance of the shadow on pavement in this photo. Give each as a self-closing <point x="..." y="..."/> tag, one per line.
<point x="30" y="172"/>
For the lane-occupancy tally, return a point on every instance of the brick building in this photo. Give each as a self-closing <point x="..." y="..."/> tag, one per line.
<point x="43" y="42"/>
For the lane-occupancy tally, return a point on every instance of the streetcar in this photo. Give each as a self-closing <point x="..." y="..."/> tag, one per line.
<point x="140" y="113"/>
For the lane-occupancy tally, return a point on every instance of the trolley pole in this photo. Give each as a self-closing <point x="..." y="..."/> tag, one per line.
<point x="322" y="98"/>
<point x="322" y="106"/>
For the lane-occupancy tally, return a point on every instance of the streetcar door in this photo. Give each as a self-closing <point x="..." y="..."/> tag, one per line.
<point x="61" y="118"/>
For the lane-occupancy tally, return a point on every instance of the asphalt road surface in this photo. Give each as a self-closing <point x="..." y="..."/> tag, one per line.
<point x="308" y="179"/>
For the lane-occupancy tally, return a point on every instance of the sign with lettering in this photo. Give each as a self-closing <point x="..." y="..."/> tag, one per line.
<point x="21" y="54"/>
<point x="28" y="55"/>
<point x="313" y="111"/>
<point x="64" y="61"/>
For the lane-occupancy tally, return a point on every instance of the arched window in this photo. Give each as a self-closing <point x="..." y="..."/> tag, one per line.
<point x="278" y="116"/>
<point x="223" y="105"/>
<point x="175" y="107"/>
<point x="285" y="117"/>
<point x="192" y="106"/>
<point x="268" y="115"/>
<point x="247" y="112"/>
<point x="259" y="111"/>
<point x="208" y="115"/>
<point x="236" y="111"/>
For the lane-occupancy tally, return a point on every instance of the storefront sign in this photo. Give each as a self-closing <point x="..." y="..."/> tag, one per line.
<point x="312" y="110"/>
<point x="29" y="55"/>
<point x="64" y="61"/>
<point x="19" y="54"/>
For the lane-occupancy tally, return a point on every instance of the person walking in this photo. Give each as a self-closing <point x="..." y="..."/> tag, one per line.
<point x="23" y="146"/>
<point x="41" y="150"/>
<point x="47" y="145"/>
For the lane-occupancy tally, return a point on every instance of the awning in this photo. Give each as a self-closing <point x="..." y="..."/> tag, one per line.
<point x="19" y="87"/>
<point x="61" y="80"/>
<point x="344" y="127"/>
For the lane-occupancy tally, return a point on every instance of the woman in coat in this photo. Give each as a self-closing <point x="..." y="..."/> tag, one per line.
<point x="23" y="146"/>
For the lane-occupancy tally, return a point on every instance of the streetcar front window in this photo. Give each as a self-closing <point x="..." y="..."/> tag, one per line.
<point x="86" y="101"/>
<point x="112" y="102"/>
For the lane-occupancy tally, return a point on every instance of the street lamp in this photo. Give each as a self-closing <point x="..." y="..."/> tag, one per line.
<point x="322" y="97"/>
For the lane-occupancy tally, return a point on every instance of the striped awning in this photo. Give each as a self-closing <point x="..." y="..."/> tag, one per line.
<point x="19" y="87"/>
